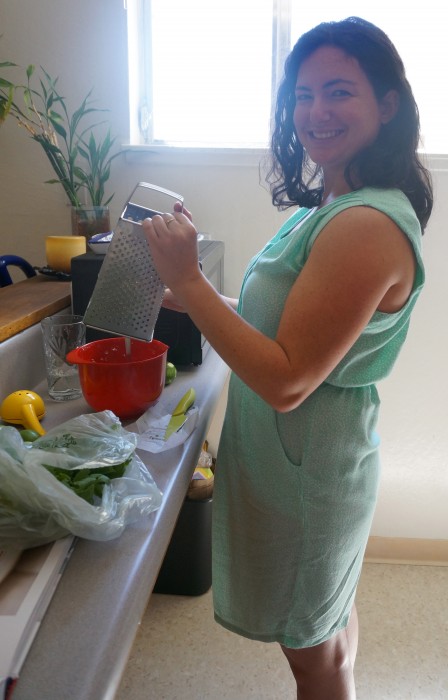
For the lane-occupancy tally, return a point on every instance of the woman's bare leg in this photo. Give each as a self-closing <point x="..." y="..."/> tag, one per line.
<point x="325" y="671"/>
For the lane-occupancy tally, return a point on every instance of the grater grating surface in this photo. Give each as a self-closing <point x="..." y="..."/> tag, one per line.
<point x="128" y="293"/>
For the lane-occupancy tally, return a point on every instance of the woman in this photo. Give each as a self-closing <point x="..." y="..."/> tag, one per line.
<point x="323" y="313"/>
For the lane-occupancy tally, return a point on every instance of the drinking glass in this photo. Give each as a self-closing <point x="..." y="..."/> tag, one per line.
<point x="62" y="333"/>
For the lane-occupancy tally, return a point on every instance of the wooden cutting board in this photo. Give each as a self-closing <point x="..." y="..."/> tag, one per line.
<point x="25" y="303"/>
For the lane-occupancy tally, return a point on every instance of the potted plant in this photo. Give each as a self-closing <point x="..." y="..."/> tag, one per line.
<point x="80" y="160"/>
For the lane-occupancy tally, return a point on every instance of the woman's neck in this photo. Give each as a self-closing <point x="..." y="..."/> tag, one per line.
<point x="334" y="188"/>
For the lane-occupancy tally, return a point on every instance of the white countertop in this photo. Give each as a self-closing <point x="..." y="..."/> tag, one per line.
<point x="82" y="646"/>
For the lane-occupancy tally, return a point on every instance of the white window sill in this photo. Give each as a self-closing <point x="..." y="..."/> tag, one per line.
<point x="241" y="157"/>
<point x="150" y="153"/>
<point x="436" y="163"/>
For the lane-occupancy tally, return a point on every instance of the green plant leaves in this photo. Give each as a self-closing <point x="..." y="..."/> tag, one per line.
<point x="80" y="159"/>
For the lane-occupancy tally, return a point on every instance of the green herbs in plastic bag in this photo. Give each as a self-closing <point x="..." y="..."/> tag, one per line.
<point x="82" y="478"/>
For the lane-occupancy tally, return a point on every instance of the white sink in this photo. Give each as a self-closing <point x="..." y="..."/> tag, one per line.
<point x="22" y="361"/>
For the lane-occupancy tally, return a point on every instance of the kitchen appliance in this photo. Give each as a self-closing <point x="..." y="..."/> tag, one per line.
<point x="186" y="344"/>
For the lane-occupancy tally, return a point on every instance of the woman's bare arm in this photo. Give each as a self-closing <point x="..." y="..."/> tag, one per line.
<point x="360" y="259"/>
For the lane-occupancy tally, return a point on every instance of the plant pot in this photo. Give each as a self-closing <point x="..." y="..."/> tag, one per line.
<point x="87" y="221"/>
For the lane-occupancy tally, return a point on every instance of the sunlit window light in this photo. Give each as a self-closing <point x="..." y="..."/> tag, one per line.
<point x="205" y="76"/>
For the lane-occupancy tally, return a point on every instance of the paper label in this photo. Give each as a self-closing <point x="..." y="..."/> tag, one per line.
<point x="151" y="426"/>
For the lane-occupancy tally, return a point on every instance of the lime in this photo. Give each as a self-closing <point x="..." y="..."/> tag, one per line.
<point x="171" y="373"/>
<point x="29" y="435"/>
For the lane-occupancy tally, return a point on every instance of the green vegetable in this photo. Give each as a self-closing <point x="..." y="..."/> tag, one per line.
<point x="171" y="373"/>
<point x="29" y="435"/>
<point x="88" y="483"/>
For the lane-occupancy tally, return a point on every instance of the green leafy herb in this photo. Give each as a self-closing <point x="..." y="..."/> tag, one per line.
<point x="88" y="483"/>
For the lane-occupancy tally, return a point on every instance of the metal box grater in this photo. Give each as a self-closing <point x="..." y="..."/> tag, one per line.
<point x="128" y="294"/>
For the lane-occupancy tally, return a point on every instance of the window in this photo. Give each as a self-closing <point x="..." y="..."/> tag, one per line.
<point x="204" y="72"/>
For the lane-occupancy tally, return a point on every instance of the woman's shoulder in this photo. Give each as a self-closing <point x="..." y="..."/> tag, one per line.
<point x="383" y="199"/>
<point x="387" y="200"/>
<point x="391" y="202"/>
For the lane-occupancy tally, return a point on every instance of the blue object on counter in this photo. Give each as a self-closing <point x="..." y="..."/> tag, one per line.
<point x="99" y="243"/>
<point x="5" y="260"/>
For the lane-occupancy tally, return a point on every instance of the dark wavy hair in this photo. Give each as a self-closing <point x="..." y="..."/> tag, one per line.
<point x="391" y="161"/>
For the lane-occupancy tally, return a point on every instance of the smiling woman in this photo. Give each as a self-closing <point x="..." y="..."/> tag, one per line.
<point x="323" y="312"/>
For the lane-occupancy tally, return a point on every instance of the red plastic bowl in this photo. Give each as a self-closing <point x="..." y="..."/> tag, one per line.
<point x="113" y="380"/>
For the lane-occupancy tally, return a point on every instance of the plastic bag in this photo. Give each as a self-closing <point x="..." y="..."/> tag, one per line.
<point x="36" y="508"/>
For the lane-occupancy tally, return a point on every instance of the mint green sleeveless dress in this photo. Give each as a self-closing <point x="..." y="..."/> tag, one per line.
<point x="295" y="492"/>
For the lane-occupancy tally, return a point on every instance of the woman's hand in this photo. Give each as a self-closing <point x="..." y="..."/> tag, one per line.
<point x="170" y="302"/>
<point x="180" y="209"/>
<point x="173" y="241"/>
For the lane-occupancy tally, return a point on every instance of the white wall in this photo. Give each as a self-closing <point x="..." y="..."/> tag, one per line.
<point x="85" y="44"/>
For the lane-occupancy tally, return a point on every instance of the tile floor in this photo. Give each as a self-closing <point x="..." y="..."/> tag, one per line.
<point x="180" y="653"/>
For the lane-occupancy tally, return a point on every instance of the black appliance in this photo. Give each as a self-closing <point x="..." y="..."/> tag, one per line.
<point x="186" y="344"/>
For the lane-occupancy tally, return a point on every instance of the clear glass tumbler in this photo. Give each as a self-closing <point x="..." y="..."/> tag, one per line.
<point x="62" y="333"/>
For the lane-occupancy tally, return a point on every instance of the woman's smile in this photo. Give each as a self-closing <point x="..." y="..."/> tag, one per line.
<point x="325" y="135"/>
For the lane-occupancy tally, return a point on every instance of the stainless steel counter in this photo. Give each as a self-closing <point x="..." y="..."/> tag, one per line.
<point x="87" y="633"/>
